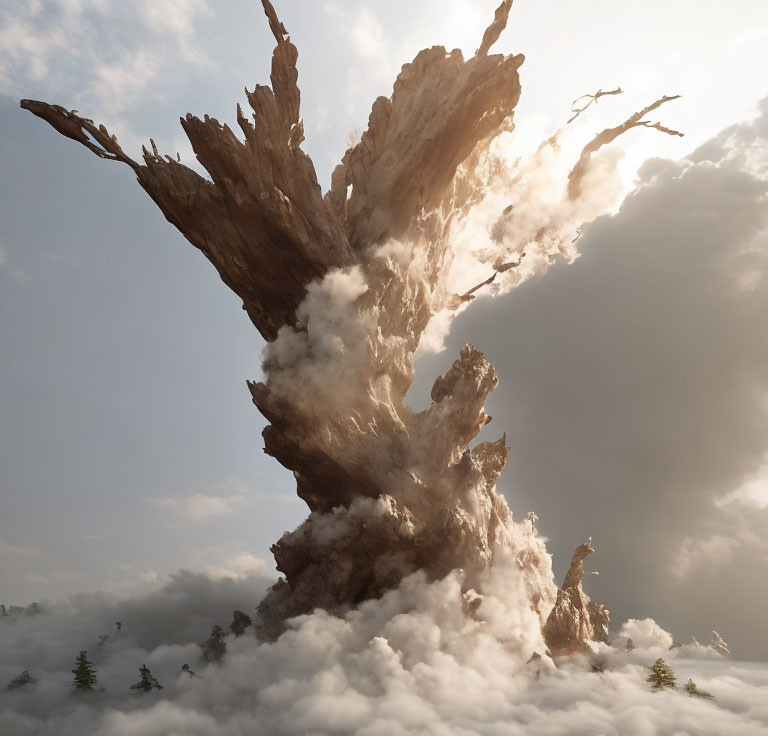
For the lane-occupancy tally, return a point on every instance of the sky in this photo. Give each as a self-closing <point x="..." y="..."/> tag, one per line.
<point x="633" y="381"/>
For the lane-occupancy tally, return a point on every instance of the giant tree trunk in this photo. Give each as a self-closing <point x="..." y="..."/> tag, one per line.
<point x="342" y="287"/>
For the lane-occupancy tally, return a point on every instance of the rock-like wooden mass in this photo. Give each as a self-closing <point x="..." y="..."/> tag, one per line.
<point x="342" y="287"/>
<point x="576" y="619"/>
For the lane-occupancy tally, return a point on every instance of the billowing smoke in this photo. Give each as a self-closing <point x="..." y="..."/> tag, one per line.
<point x="426" y="658"/>
<point x="322" y="361"/>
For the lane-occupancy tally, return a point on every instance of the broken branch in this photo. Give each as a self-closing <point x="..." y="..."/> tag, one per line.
<point x="609" y="135"/>
<point x="592" y="98"/>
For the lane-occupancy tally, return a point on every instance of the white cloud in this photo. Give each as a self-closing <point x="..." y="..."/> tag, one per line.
<point x="119" y="85"/>
<point x="413" y="662"/>
<point x="179" y="18"/>
<point x="12" y="550"/>
<point x="740" y="531"/>
<point x="749" y="280"/>
<point x="53" y="577"/>
<point x="367" y="33"/>
<point x="137" y="582"/>
<point x="240" y="566"/>
<point x="752" y="493"/>
<point x="363" y="28"/>
<point x="73" y="48"/>
<point x="199" y="506"/>
<point x="710" y="553"/>
<point x="25" y="44"/>
<point x="645" y="634"/>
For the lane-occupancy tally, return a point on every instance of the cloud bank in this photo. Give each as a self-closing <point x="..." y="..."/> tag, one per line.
<point x="421" y="660"/>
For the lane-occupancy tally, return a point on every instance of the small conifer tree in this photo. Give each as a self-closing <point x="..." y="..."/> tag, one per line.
<point x="215" y="647"/>
<point x="630" y="645"/>
<point x="147" y="681"/>
<point x="240" y="623"/>
<point x="661" y="675"/>
<point x="85" y="675"/>
<point x="20" y="680"/>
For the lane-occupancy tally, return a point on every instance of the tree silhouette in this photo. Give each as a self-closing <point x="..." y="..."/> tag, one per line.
<point x="661" y="675"/>
<point x="147" y="681"/>
<point x="240" y="623"/>
<point x="630" y="645"/>
<point x="215" y="647"/>
<point x="186" y="670"/>
<point x="85" y="675"/>
<point x="20" y="680"/>
<point x="597" y="666"/>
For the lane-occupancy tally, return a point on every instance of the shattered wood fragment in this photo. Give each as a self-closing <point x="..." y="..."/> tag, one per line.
<point x="494" y="30"/>
<point x="469" y="295"/>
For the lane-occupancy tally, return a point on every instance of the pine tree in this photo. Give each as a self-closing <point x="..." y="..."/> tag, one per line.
<point x="85" y="675"/>
<point x="661" y="675"/>
<point x="630" y="645"/>
<point x="240" y="623"/>
<point x="147" y="681"/>
<point x="691" y="689"/>
<point x="215" y="647"/>
<point x="20" y="680"/>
